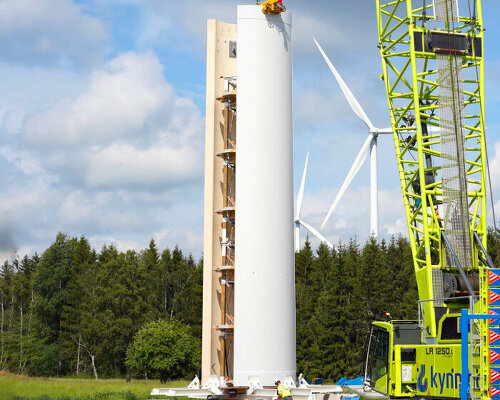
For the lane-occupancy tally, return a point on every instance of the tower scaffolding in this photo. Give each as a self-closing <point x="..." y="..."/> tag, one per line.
<point x="226" y="270"/>
<point x="219" y="210"/>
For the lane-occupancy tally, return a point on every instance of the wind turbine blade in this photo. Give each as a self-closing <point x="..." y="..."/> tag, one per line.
<point x="356" y="166"/>
<point x="356" y="107"/>
<point x="297" y="237"/>
<point x="301" y="190"/>
<point x="384" y="130"/>
<point x="316" y="233"/>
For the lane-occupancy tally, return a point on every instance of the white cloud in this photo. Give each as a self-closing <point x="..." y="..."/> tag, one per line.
<point x="168" y="238"/>
<point x="26" y="89"/>
<point x="192" y="241"/>
<point x="124" y="165"/>
<point x="97" y="242"/>
<point x="23" y="160"/>
<point x="122" y="98"/>
<point x="24" y="208"/>
<point x="32" y="215"/>
<point x="117" y="161"/>
<point x="97" y="212"/>
<point x="50" y="32"/>
<point x="18" y="203"/>
<point x="127" y="129"/>
<point x="398" y="226"/>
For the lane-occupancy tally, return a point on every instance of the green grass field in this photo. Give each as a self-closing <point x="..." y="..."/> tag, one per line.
<point x="20" y="388"/>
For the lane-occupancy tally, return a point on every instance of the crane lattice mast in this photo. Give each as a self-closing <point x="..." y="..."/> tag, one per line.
<point x="433" y="69"/>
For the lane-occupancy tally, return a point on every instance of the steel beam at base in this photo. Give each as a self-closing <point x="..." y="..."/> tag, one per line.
<point x="184" y="392"/>
<point x="325" y="389"/>
<point x="371" y="394"/>
<point x="259" y="394"/>
<point x="215" y="387"/>
<point x="297" y="394"/>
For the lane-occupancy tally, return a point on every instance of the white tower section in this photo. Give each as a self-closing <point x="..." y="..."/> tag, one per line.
<point x="264" y="328"/>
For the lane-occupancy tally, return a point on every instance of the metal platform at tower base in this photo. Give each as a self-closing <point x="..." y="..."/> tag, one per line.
<point x="366" y="392"/>
<point x="217" y="388"/>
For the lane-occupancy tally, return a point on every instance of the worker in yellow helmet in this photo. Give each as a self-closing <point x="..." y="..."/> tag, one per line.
<point x="283" y="391"/>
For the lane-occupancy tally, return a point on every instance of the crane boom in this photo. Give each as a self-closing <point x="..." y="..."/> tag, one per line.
<point x="433" y="75"/>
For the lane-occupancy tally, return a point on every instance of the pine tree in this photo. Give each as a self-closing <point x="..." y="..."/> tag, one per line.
<point x="304" y="260"/>
<point x="357" y="267"/>
<point x="376" y="278"/>
<point x="493" y="247"/>
<point x="75" y="310"/>
<point x="347" y="311"/>
<point x="81" y="292"/>
<point x="6" y="309"/>
<point x="177" y="276"/>
<point x="404" y="295"/>
<point x="191" y="299"/>
<point x="52" y="277"/>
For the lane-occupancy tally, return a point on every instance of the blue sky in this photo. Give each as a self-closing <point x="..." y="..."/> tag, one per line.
<point x="102" y="119"/>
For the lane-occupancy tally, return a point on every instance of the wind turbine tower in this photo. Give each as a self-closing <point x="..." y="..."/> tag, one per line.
<point x="249" y="276"/>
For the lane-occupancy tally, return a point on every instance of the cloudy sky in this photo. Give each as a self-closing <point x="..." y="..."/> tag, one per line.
<point x="102" y="119"/>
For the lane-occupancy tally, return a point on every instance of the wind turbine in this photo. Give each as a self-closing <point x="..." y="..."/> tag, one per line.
<point x="370" y="145"/>
<point x="298" y="220"/>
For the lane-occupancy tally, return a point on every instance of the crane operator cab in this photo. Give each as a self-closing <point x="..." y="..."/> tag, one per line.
<point x="377" y="360"/>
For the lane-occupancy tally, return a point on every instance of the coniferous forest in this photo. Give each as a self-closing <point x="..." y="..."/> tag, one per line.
<point x="75" y="310"/>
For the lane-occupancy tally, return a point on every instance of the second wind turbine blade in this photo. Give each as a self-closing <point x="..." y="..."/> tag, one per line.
<point x="356" y="166"/>
<point x="356" y="107"/>
<point x="316" y="233"/>
<point x="301" y="190"/>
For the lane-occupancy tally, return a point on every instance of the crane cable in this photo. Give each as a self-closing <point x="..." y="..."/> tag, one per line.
<point x="459" y="239"/>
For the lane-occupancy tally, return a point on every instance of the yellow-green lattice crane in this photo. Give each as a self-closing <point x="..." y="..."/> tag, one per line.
<point x="432" y="55"/>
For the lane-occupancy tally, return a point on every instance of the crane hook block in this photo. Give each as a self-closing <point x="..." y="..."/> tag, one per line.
<point x="273" y="7"/>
